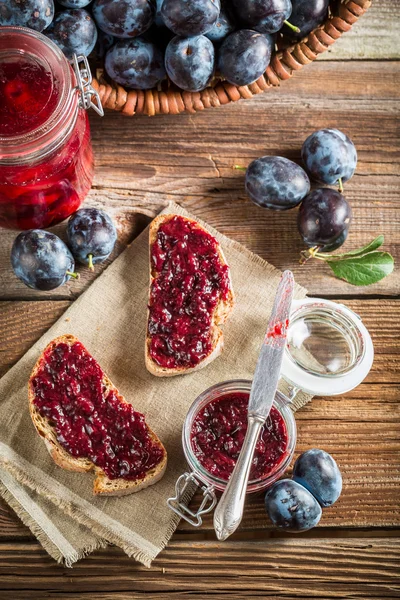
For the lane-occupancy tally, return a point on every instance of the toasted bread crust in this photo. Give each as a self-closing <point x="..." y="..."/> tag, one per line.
<point x="221" y="313"/>
<point x="102" y="484"/>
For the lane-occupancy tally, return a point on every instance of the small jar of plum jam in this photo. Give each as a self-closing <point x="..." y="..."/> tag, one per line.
<point x="212" y="438"/>
<point x="328" y="351"/>
<point x="46" y="159"/>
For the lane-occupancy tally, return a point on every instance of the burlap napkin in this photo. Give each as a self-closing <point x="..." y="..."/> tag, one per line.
<point x="110" y="320"/>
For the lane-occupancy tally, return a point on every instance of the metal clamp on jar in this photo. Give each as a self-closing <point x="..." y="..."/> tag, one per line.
<point x="328" y="352"/>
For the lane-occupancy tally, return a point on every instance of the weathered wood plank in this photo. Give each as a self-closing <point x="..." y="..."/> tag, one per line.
<point x="22" y="323"/>
<point x="369" y="498"/>
<point x="306" y="568"/>
<point x="173" y="595"/>
<point x="142" y="163"/>
<point x="374" y="36"/>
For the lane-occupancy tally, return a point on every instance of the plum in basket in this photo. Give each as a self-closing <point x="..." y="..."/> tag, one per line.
<point x="135" y="63"/>
<point x="190" y="62"/>
<point x="124" y="18"/>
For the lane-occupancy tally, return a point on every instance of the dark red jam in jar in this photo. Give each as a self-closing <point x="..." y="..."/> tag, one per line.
<point x="218" y="431"/>
<point x="88" y="418"/>
<point x="190" y="280"/>
<point x="46" y="160"/>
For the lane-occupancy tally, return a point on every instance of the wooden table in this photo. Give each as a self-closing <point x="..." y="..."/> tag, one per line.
<point x="141" y="164"/>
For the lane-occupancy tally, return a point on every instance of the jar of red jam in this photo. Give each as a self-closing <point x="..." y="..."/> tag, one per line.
<point x="46" y="159"/>
<point x="212" y="438"/>
<point x="329" y="351"/>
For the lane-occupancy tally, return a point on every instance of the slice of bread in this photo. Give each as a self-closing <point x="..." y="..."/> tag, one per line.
<point x="102" y="483"/>
<point x="220" y="315"/>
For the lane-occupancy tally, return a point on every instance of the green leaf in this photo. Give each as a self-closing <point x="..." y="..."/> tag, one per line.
<point x="363" y="270"/>
<point x="374" y="245"/>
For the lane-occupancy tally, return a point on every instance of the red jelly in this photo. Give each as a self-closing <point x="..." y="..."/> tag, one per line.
<point x="190" y="281"/>
<point x="88" y="419"/>
<point x="218" y="432"/>
<point x="46" y="159"/>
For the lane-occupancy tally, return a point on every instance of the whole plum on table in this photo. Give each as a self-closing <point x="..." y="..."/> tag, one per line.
<point x="74" y="31"/>
<point x="224" y="25"/>
<point x="337" y="243"/>
<point x="323" y="217"/>
<point x="41" y="260"/>
<point x="190" y="17"/>
<point x="35" y="14"/>
<point x="91" y="235"/>
<point x="329" y="156"/>
<point x="306" y="15"/>
<point x="124" y="18"/>
<point x="276" y="182"/>
<point x="317" y="471"/>
<point x="290" y="506"/>
<point x="244" y="56"/>
<point x="190" y="62"/>
<point x="135" y="63"/>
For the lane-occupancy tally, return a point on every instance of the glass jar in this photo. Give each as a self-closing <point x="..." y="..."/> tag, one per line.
<point x="46" y="158"/>
<point x="210" y="483"/>
<point x="329" y="351"/>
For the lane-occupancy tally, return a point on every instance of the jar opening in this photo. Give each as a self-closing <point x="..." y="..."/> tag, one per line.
<point x="199" y="408"/>
<point x="324" y="341"/>
<point x="37" y="103"/>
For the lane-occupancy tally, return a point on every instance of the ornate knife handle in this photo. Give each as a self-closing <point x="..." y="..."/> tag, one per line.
<point x="229" y="511"/>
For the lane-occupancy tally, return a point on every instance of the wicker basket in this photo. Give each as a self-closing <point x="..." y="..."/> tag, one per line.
<point x="283" y="64"/>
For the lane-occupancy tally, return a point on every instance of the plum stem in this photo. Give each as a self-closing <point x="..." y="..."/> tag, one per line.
<point x="340" y="182"/>
<point x="71" y="274"/>
<point x="292" y="27"/>
<point x="239" y="168"/>
<point x="90" y="262"/>
<point x="310" y="253"/>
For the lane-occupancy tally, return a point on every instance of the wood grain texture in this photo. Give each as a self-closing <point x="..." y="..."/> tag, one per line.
<point x="143" y="163"/>
<point x="23" y="322"/>
<point x="312" y="568"/>
<point x="361" y="429"/>
<point x="375" y="36"/>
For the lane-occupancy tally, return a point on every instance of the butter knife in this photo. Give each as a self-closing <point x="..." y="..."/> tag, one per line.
<point x="229" y="510"/>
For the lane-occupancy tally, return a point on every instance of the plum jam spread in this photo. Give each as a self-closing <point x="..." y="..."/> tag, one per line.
<point x="218" y="432"/>
<point x="89" y="420"/>
<point x="190" y="280"/>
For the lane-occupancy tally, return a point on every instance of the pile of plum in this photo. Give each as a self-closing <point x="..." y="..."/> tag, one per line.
<point x="295" y="504"/>
<point x="42" y="261"/>
<point x="277" y="183"/>
<point x="191" y="41"/>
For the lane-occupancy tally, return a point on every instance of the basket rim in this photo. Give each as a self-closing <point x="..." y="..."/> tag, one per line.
<point x="283" y="65"/>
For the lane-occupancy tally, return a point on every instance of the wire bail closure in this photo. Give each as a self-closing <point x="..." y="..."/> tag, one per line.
<point x="207" y="504"/>
<point x="84" y="85"/>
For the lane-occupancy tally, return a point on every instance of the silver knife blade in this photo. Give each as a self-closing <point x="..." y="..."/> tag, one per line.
<point x="269" y="362"/>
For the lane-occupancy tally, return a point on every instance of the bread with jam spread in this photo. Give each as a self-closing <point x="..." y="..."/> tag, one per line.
<point x="87" y="425"/>
<point x="190" y="297"/>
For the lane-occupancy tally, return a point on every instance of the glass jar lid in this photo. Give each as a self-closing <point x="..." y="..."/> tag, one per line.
<point x="329" y="350"/>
